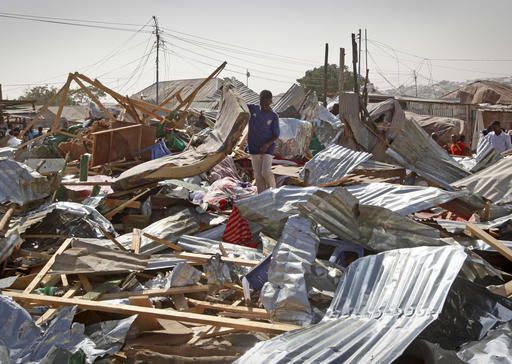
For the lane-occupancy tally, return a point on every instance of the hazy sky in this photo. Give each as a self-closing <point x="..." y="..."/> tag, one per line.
<point x="404" y="36"/>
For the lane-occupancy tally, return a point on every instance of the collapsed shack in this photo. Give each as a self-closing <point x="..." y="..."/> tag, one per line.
<point x="139" y="238"/>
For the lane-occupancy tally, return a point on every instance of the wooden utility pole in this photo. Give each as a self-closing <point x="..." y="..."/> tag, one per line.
<point x="326" y="64"/>
<point x="157" y="33"/>
<point x="415" y="82"/>
<point x="366" y="48"/>
<point x="341" y="80"/>
<point x="354" y="63"/>
<point x="359" y="67"/>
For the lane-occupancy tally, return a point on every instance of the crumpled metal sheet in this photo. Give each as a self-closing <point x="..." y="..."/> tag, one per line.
<point x="20" y="184"/>
<point x="8" y="244"/>
<point x="197" y="244"/>
<point x="271" y="208"/>
<point x="382" y="304"/>
<point x="414" y="149"/>
<point x="496" y="347"/>
<point x="30" y="344"/>
<point x="469" y="313"/>
<point x="220" y="272"/>
<point x="332" y="163"/>
<point x="69" y="218"/>
<point x="171" y="228"/>
<point x="291" y="100"/>
<point x="285" y="295"/>
<point x="182" y="275"/>
<point x="485" y="155"/>
<point x="373" y="227"/>
<point x="294" y="138"/>
<point x="493" y="182"/>
<point x="402" y="199"/>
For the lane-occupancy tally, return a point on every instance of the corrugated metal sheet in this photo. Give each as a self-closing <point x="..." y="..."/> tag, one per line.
<point x="20" y="184"/>
<point x="285" y="295"/>
<point x="402" y="199"/>
<point x="171" y="228"/>
<point x="294" y="97"/>
<point x="373" y="227"/>
<point x="493" y="182"/>
<point x="383" y="303"/>
<point x="196" y="244"/>
<point x="332" y="163"/>
<point x="271" y="208"/>
<point x="413" y="148"/>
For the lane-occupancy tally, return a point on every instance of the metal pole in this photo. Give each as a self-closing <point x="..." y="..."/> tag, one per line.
<point x="326" y="65"/>
<point x="157" y="33"/>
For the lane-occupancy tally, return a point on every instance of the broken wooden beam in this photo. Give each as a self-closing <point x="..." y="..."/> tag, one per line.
<point x="163" y="242"/>
<point x="156" y="292"/>
<point x="475" y="231"/>
<point x="247" y="325"/>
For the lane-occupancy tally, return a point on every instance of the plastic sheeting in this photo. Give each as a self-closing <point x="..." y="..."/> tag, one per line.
<point x="294" y="139"/>
<point x="373" y="227"/>
<point x="382" y="304"/>
<point x="285" y="295"/>
<point x="402" y="199"/>
<point x="332" y="164"/>
<point x="26" y="343"/>
<point x="496" y="347"/>
<point x="469" y="313"/>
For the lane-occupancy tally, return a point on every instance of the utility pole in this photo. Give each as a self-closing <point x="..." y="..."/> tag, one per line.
<point x="247" y="75"/>
<point x="157" y="33"/>
<point x="359" y="58"/>
<point x="366" y="47"/>
<point x="326" y="65"/>
<point x="415" y="82"/>
<point x="341" y="80"/>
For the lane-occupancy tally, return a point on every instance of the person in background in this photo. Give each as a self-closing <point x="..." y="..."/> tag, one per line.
<point x="14" y="141"/>
<point x="498" y="138"/>
<point x="455" y="148"/>
<point x="39" y="132"/>
<point x="462" y="145"/>
<point x="263" y="132"/>
<point x="31" y="133"/>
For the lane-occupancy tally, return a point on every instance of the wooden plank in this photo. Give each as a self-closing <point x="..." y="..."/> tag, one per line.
<point x="39" y="277"/>
<point x="87" y="183"/>
<point x="475" y="231"/>
<point x="64" y="279"/>
<point x="112" y="203"/>
<point x="230" y="308"/>
<point x="6" y="219"/>
<point x="49" y="313"/>
<point x="247" y="325"/>
<point x="111" y="238"/>
<point x="136" y="240"/>
<point x="163" y="242"/>
<point x="93" y="98"/>
<point x="157" y="292"/>
<point x="65" y="90"/>
<point x="203" y="258"/>
<point x="85" y="282"/>
<point x="109" y="215"/>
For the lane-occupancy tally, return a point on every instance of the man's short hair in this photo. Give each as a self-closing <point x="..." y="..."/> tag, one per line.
<point x="496" y="123"/>
<point x="265" y="94"/>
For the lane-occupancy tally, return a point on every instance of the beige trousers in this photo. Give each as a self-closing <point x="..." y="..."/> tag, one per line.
<point x="262" y="168"/>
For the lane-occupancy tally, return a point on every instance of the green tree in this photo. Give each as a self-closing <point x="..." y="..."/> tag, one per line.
<point x="80" y="97"/>
<point x="314" y="80"/>
<point x="42" y="95"/>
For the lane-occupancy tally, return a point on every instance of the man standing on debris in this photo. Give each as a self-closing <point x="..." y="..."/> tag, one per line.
<point x="263" y="132"/>
<point x="498" y="138"/>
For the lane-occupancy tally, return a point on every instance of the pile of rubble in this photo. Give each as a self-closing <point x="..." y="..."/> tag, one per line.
<point x="140" y="238"/>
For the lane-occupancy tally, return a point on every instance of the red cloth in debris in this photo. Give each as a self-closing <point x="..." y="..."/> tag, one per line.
<point x="237" y="230"/>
